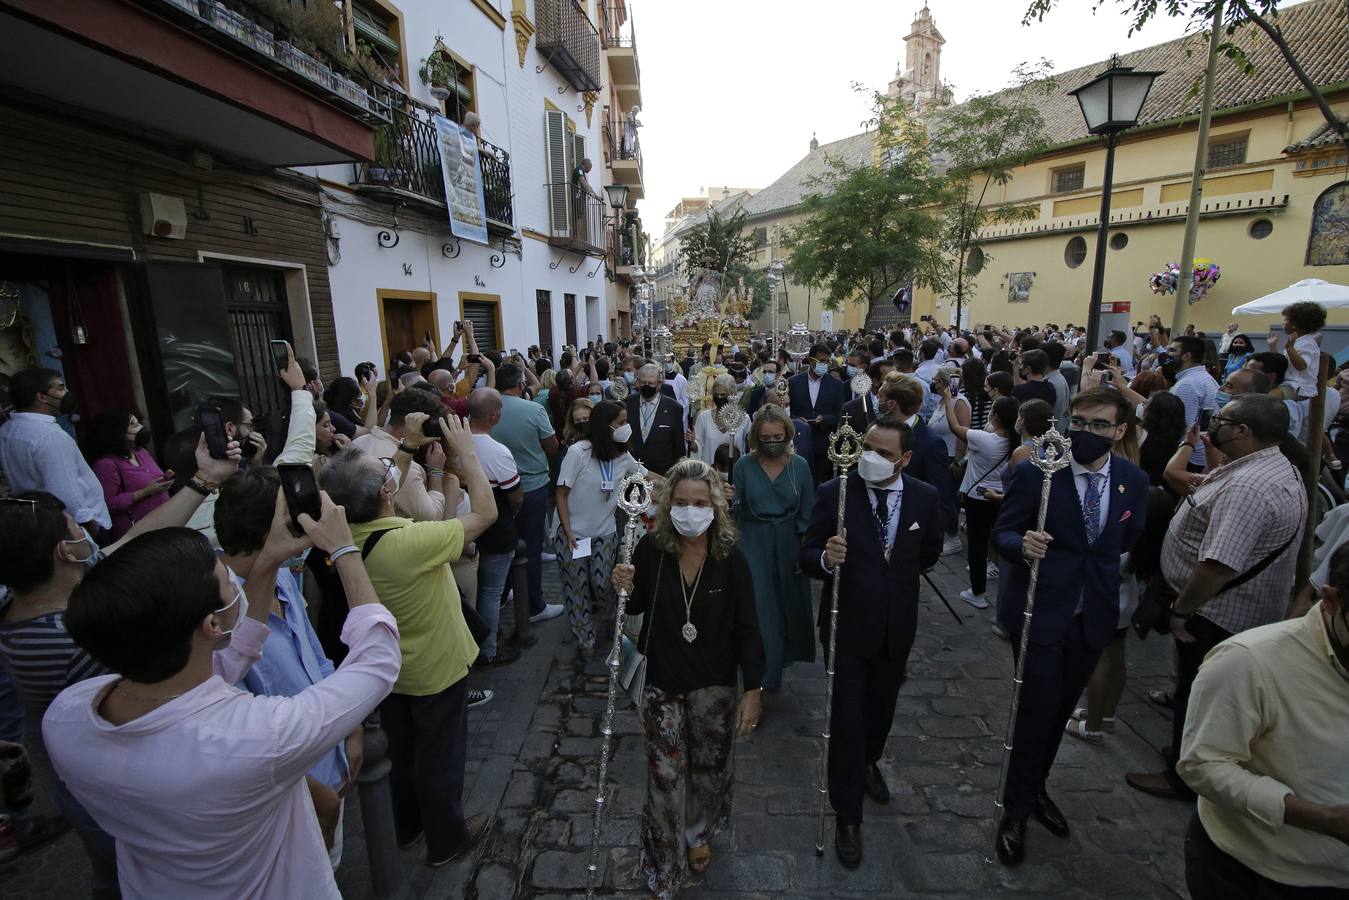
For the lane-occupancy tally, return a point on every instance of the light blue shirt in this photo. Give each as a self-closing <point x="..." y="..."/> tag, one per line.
<point x="1197" y="390"/>
<point x="37" y="455"/>
<point x="522" y="426"/>
<point x="1126" y="359"/>
<point x="292" y="661"/>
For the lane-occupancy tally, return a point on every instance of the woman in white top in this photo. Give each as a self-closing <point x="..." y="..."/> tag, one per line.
<point x="708" y="434"/>
<point x="988" y="453"/>
<point x="943" y="420"/>
<point x="587" y="498"/>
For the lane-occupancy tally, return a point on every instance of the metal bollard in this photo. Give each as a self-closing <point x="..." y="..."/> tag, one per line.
<point x="381" y="843"/>
<point x="519" y="587"/>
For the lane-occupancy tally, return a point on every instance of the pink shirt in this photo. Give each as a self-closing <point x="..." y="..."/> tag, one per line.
<point x="121" y="480"/>
<point x="205" y="795"/>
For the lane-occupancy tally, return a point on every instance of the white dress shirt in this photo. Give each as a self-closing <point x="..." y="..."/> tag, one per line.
<point x="1082" y="483"/>
<point x="646" y="411"/>
<point x="813" y="386"/>
<point x="36" y="454"/>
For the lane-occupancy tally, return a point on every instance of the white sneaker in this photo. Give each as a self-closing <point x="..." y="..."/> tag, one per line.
<point x="479" y="697"/>
<point x="992" y="570"/>
<point x="548" y="557"/>
<point x="973" y="599"/>
<point x="550" y="611"/>
<point x="952" y="546"/>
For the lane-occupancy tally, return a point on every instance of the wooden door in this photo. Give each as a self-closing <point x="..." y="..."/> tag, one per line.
<point x="400" y="329"/>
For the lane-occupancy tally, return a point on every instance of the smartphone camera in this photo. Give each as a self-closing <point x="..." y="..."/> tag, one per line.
<point x="431" y="428"/>
<point x="301" y="492"/>
<point x="1205" y="415"/>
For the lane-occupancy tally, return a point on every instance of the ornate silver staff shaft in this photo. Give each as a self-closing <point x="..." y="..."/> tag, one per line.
<point x="634" y="496"/>
<point x="845" y="447"/>
<point x="1049" y="454"/>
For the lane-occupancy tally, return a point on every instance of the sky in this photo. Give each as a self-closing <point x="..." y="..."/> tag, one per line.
<point x="733" y="89"/>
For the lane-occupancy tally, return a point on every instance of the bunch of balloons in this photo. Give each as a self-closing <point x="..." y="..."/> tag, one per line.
<point x="1206" y="275"/>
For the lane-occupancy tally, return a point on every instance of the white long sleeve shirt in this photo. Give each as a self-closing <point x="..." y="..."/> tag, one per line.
<point x="37" y="455"/>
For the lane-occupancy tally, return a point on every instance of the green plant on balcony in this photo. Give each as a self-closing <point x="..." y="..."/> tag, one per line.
<point x="437" y="72"/>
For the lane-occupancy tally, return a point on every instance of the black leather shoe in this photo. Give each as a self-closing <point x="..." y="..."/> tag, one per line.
<point x="848" y="844"/>
<point x="874" y="784"/>
<point x="1050" y="816"/>
<point x="1012" y="841"/>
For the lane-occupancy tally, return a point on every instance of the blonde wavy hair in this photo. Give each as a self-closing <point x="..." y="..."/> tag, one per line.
<point x="721" y="534"/>
<point x="771" y="414"/>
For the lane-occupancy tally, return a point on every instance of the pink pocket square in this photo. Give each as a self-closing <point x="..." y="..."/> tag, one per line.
<point x="1128" y="513"/>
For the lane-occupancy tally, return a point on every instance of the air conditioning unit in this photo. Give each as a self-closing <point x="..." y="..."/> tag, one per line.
<point x="163" y="216"/>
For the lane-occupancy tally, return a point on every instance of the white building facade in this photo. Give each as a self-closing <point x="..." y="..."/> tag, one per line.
<point x="526" y="76"/>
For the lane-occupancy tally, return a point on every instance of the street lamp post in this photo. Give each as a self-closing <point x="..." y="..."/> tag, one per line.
<point x="776" y="271"/>
<point x="1111" y="103"/>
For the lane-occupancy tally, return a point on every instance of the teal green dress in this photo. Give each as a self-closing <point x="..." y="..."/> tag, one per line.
<point x="773" y="516"/>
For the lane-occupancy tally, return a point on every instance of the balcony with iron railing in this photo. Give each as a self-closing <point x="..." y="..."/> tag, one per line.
<point x="569" y="41"/>
<point x="407" y="164"/>
<point x="624" y="149"/>
<point x="618" y="37"/>
<point x="622" y="253"/>
<point x="577" y="219"/>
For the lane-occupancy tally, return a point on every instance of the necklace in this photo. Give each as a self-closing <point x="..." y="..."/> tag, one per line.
<point x="689" y="632"/>
<point x="144" y="699"/>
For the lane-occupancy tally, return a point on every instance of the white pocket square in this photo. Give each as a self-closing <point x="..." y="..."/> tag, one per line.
<point x="913" y="527"/>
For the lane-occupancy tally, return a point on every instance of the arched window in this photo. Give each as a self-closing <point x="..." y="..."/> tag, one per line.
<point x="1328" y="242"/>
<point x="927" y="65"/>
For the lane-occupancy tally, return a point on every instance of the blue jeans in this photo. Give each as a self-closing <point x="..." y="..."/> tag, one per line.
<point x="11" y="729"/>
<point x="492" y="571"/>
<point x="529" y="521"/>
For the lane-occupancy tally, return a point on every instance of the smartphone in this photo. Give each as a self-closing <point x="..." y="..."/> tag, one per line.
<point x="1204" y="416"/>
<point x="301" y="490"/>
<point x="428" y="335"/>
<point x="280" y="355"/>
<point x="955" y="384"/>
<point x="1102" y="361"/>
<point x="364" y="370"/>
<point x="213" y="426"/>
<point x="431" y="428"/>
<point x="474" y="357"/>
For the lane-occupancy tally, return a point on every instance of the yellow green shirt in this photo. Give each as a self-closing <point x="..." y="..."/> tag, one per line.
<point x="410" y="570"/>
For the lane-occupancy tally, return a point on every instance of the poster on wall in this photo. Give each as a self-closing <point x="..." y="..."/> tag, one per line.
<point x="1018" y="286"/>
<point x="463" y="180"/>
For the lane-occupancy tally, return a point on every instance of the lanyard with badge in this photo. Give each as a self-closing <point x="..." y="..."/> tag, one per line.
<point x="606" y="477"/>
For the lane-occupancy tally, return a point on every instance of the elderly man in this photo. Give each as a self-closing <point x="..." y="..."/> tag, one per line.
<point x="426" y="716"/>
<point x="496" y="546"/>
<point x="658" y="431"/>
<point x="1230" y="553"/>
<point x="420" y="495"/>
<point x="1268" y="759"/>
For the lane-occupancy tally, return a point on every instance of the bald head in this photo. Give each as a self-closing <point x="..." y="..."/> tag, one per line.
<point x="441" y="379"/>
<point x="1248" y="381"/>
<point x="484" y="409"/>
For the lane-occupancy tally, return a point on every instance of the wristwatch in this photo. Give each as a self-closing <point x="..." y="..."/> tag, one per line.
<point x="404" y="447"/>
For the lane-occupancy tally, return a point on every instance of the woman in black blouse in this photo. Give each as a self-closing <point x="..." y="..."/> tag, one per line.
<point x="700" y="631"/>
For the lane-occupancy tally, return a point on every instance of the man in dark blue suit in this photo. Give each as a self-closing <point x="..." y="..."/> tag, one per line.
<point x="893" y="534"/>
<point x="902" y="395"/>
<point x="817" y="397"/>
<point x="1097" y="511"/>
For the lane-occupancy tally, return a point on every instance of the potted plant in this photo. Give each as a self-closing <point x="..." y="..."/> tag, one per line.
<point x="437" y="73"/>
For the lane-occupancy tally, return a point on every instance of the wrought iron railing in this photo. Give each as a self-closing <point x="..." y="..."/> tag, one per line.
<point x="568" y="40"/>
<point x="613" y="32"/>
<point x="623" y="145"/>
<point x="407" y="157"/>
<point x="577" y="219"/>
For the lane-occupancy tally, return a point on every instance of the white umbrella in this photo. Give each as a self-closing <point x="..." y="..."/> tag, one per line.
<point x="1330" y="296"/>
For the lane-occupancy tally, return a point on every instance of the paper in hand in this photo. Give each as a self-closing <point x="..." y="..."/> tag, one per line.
<point x="582" y="548"/>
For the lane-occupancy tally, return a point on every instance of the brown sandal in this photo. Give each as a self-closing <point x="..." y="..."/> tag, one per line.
<point x="699" y="859"/>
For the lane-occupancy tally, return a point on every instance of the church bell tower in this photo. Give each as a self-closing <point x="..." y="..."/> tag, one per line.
<point x="918" y="79"/>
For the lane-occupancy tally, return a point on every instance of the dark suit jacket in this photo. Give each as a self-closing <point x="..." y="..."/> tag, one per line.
<point x="829" y="404"/>
<point x="878" y="601"/>
<point x="860" y="413"/>
<point x="665" y="444"/>
<point x="930" y="463"/>
<point x="1071" y="567"/>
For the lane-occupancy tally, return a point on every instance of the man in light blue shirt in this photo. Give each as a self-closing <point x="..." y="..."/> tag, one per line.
<point x="1118" y="342"/>
<point x="1194" y="386"/>
<point x="37" y="455"/>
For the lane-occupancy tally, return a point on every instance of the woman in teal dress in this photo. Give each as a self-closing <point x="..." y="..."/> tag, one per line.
<point x="774" y="496"/>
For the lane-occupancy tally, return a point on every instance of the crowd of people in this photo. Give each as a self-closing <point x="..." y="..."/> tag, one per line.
<point x="184" y="610"/>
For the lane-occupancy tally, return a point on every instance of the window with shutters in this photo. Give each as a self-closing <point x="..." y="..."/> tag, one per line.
<point x="379" y="33"/>
<point x="545" y="304"/>
<point x="569" y="314"/>
<point x="484" y="311"/>
<point x="1069" y="178"/>
<point x="560" y="168"/>
<point x="1228" y="150"/>
<point x="578" y="152"/>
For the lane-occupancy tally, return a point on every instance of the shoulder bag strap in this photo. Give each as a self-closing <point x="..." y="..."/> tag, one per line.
<point x="372" y="540"/>
<point x="651" y="608"/>
<point x="1257" y="568"/>
<point x="983" y="474"/>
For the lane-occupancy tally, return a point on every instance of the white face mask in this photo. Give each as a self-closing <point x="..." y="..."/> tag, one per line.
<point x="691" y="521"/>
<point x="241" y="599"/>
<point x="875" y="468"/>
<point x="622" y="433"/>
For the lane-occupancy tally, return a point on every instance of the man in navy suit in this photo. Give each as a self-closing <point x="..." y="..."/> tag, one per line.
<point x="903" y="395"/>
<point x="893" y="534"/>
<point x="818" y="398"/>
<point x="1097" y="511"/>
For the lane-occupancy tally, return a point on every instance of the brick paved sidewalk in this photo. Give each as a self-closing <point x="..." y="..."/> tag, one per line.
<point x="533" y="757"/>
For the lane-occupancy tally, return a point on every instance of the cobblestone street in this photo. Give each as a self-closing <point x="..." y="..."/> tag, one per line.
<point x="533" y="759"/>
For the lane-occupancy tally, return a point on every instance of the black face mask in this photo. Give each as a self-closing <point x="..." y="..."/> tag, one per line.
<point x="719" y="402"/>
<point x="143" y="438"/>
<point x="1089" y="446"/>
<point x="66" y="405"/>
<point x="649" y="390"/>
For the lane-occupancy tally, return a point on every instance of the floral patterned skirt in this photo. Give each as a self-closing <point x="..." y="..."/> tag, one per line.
<point x="690" y="756"/>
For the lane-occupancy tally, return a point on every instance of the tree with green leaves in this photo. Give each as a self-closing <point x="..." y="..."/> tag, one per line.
<point x="870" y="228"/>
<point x="719" y="243"/>
<point x="1236" y="15"/>
<point x="979" y="144"/>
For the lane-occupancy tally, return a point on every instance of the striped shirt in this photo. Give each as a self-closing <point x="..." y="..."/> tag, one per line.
<point x="1243" y="511"/>
<point x="42" y="659"/>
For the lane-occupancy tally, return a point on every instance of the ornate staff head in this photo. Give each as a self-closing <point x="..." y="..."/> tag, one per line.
<point x="861" y="384"/>
<point x="780" y="385"/>
<point x="618" y="389"/>
<point x="845" y="446"/>
<point x="730" y="417"/>
<point x="1051" y="452"/>
<point x="634" y="494"/>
